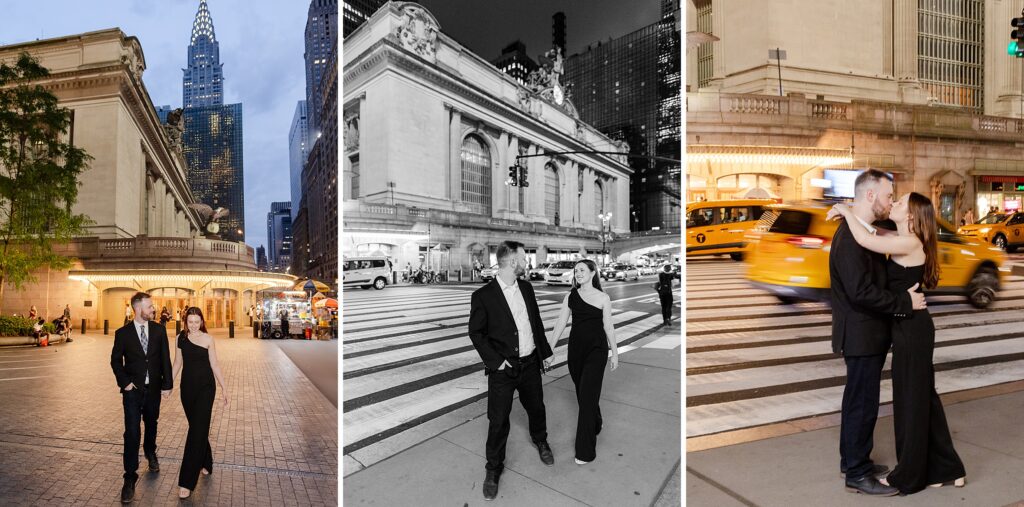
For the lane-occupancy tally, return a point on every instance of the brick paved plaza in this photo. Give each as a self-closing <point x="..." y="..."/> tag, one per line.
<point x="61" y="426"/>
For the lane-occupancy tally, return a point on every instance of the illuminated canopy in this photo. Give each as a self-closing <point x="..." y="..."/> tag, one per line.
<point x="171" y="276"/>
<point x="761" y="155"/>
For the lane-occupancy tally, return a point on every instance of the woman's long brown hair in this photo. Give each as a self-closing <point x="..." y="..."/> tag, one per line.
<point x="926" y="230"/>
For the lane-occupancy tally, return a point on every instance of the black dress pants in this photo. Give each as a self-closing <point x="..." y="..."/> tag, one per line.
<point x="501" y="387"/>
<point x="666" y="305"/>
<point x="859" y="413"/>
<point x="140" y="405"/>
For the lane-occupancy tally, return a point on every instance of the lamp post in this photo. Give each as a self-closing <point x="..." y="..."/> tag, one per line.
<point x="605" y="219"/>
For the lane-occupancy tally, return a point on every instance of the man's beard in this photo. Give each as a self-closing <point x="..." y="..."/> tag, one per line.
<point x="519" y="270"/>
<point x="881" y="213"/>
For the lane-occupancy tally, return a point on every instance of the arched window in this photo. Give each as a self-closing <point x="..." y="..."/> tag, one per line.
<point x="598" y="197"/>
<point x="551" y="192"/>
<point x="476" y="175"/>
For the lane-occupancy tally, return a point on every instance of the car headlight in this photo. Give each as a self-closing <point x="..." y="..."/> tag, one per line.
<point x="984" y="230"/>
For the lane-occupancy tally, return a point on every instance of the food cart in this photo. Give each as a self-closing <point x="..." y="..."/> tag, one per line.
<point x="271" y="302"/>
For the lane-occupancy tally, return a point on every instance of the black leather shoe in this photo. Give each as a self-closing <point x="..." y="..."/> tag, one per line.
<point x="154" y="465"/>
<point x="868" y="485"/>
<point x="491" y="484"/>
<point x="545" y="453"/>
<point x="128" y="490"/>
<point x="877" y="470"/>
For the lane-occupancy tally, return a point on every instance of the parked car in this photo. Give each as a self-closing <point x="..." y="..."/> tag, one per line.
<point x="620" y="271"/>
<point x="366" y="272"/>
<point x="539" y="272"/>
<point x="789" y="258"/>
<point x="487" y="274"/>
<point x="559" y="273"/>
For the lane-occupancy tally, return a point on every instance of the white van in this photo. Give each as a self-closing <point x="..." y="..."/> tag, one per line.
<point x="366" y="272"/>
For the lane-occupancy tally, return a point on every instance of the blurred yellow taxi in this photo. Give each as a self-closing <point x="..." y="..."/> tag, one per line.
<point x="720" y="227"/>
<point x="788" y="256"/>
<point x="1004" y="230"/>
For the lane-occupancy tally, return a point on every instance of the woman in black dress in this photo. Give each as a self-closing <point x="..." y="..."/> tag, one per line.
<point x="924" y="447"/>
<point x="590" y="338"/>
<point x="198" y="355"/>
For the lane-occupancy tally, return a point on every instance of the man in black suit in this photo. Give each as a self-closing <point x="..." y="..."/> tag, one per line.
<point x="861" y="312"/>
<point x="141" y="360"/>
<point x="506" y="329"/>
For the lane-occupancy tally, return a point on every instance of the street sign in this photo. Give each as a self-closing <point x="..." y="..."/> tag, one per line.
<point x="776" y="54"/>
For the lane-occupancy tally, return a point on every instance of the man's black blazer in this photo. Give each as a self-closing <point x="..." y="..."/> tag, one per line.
<point x="862" y="307"/>
<point x="493" y="329"/>
<point x="130" y="363"/>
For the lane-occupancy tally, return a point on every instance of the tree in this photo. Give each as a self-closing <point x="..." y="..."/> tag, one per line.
<point x="38" y="175"/>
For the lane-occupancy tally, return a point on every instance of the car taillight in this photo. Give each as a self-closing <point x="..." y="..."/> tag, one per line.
<point x="807" y="241"/>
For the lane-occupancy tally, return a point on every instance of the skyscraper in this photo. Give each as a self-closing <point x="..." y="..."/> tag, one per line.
<point x="204" y="79"/>
<point x="298" y="152"/>
<point x="261" y="258"/>
<point x="279" y="235"/>
<point x="358" y="11"/>
<point x="628" y="88"/>
<point x="515" y="62"/>
<point x="321" y="36"/>
<point x="212" y="141"/>
<point x="162" y="112"/>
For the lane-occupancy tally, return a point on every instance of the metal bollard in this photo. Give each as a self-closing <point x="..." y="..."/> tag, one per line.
<point x="394" y="278"/>
<point x="460" y="275"/>
<point x="231" y="329"/>
<point x="255" y="331"/>
<point x="177" y="327"/>
<point x="83" y="326"/>
<point x="106" y="326"/>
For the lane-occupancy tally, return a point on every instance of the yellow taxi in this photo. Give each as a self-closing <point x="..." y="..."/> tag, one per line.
<point x="1004" y="230"/>
<point x="720" y="227"/>
<point x="789" y="258"/>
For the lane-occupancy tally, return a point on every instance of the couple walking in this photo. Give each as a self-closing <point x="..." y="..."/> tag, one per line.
<point x="877" y="304"/>
<point x="507" y="331"/>
<point x="142" y="366"/>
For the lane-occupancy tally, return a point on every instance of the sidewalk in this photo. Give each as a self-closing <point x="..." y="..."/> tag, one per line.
<point x="638" y="449"/>
<point x="797" y="463"/>
<point x="62" y="421"/>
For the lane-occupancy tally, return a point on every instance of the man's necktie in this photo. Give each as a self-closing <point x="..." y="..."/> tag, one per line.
<point x="145" y="340"/>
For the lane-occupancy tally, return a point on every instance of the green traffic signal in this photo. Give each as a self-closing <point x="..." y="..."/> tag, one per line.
<point x="1015" y="49"/>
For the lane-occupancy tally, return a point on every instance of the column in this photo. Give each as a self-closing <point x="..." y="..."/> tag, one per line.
<point x="1005" y="70"/>
<point x="622" y="200"/>
<point x="904" y="34"/>
<point x="571" y="195"/>
<point x="502" y="200"/>
<point x="587" y="215"/>
<point x="535" y="192"/>
<point x="454" y="152"/>
<point x="156" y="228"/>
<point x="718" y="25"/>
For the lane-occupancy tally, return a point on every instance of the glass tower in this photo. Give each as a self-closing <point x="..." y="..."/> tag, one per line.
<point x="628" y="88"/>
<point x="321" y="37"/>
<point x="212" y="141"/>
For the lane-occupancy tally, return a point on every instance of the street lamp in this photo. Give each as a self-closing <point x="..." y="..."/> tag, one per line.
<point x="605" y="219"/>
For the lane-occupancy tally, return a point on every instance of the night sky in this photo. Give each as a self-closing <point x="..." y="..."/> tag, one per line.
<point x="261" y="47"/>
<point x="487" y="27"/>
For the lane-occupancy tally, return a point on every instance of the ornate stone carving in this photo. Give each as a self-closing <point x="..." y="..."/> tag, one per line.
<point x="580" y="132"/>
<point x="351" y="133"/>
<point x="418" y="31"/>
<point x="174" y="128"/>
<point x="546" y="83"/>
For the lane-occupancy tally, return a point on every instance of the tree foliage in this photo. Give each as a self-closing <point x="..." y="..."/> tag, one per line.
<point x="39" y="170"/>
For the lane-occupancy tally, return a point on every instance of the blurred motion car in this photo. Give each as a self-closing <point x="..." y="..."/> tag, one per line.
<point x="1004" y="230"/>
<point x="720" y="227"/>
<point x="788" y="257"/>
<point x="559" y="273"/>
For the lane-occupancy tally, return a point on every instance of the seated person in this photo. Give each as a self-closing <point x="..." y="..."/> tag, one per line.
<point x="37" y="331"/>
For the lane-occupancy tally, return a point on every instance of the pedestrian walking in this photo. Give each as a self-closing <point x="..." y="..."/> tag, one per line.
<point x="664" y="288"/>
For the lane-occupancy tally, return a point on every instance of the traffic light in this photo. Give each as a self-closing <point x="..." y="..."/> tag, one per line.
<point x="1016" y="46"/>
<point x="513" y="177"/>
<point x="523" y="173"/>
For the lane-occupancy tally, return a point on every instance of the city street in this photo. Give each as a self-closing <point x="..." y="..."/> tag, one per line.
<point x="411" y="371"/>
<point x="275" y="444"/>
<point x="753" y="361"/>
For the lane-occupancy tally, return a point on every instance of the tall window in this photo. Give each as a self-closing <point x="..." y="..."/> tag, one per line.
<point x="705" y="66"/>
<point x="476" y="175"/>
<point x="355" y="176"/>
<point x="950" y="48"/>
<point x="551" y="196"/>
<point x="598" y="198"/>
